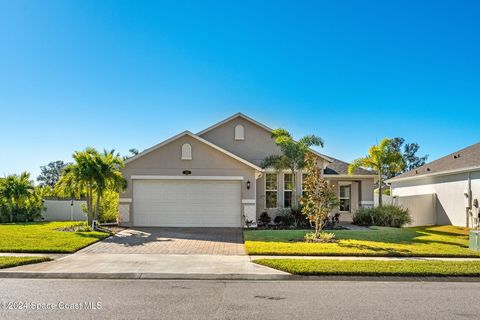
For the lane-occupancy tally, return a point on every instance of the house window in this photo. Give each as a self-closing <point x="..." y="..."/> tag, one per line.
<point x="271" y="190"/>
<point x="345" y="194"/>
<point x="186" y="151"/>
<point x="304" y="190"/>
<point x="287" y="190"/>
<point x="239" y="132"/>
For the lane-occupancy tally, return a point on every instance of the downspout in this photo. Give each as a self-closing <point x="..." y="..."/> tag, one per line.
<point x="468" y="205"/>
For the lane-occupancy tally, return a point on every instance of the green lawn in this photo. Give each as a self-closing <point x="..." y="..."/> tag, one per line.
<point x="44" y="237"/>
<point x="433" y="241"/>
<point x="7" y="262"/>
<point x="374" y="267"/>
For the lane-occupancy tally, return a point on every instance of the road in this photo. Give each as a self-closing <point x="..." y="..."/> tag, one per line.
<point x="156" y="299"/>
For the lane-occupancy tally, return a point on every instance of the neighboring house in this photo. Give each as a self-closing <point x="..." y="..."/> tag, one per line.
<point x="214" y="179"/>
<point x="454" y="179"/>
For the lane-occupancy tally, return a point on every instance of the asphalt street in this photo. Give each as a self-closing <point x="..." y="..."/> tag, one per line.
<point x="161" y="299"/>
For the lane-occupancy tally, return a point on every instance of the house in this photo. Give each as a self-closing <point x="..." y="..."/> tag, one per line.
<point x="455" y="182"/>
<point x="214" y="179"/>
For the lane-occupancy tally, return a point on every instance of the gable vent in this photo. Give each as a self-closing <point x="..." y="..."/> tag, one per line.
<point x="239" y="132"/>
<point x="186" y="151"/>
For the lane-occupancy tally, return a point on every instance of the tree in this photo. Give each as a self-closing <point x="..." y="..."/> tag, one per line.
<point x="320" y="199"/>
<point x="293" y="154"/>
<point x="79" y="178"/>
<point x="109" y="176"/>
<point x="411" y="160"/>
<point x="133" y="153"/>
<point x="91" y="174"/>
<point x="18" y="200"/>
<point x="50" y="174"/>
<point x="381" y="158"/>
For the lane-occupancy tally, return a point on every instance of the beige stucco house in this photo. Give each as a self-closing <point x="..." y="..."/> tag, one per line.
<point x="214" y="179"/>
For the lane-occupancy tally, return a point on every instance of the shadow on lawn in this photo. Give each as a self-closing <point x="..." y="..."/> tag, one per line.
<point x="385" y="250"/>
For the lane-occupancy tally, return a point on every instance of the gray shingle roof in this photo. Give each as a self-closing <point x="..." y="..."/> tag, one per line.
<point x="341" y="167"/>
<point x="465" y="158"/>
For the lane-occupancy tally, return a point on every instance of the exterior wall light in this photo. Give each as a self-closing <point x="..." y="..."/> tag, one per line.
<point x="248" y="185"/>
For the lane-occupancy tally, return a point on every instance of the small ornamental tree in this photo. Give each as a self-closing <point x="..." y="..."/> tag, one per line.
<point x="319" y="198"/>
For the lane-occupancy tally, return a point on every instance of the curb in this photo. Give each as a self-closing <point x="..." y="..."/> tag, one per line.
<point x="200" y="276"/>
<point x="152" y="276"/>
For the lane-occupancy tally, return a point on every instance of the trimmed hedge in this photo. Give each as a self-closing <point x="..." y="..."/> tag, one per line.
<point x="385" y="216"/>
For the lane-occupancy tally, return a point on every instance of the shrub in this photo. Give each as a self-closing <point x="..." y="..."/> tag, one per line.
<point x="264" y="219"/>
<point x="322" y="237"/>
<point x="109" y="207"/>
<point x="285" y="218"/>
<point x="385" y="216"/>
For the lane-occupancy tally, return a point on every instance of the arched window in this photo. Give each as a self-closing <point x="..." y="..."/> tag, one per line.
<point x="239" y="132"/>
<point x="186" y="151"/>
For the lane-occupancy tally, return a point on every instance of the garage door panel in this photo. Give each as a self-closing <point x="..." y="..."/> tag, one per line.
<point x="193" y="203"/>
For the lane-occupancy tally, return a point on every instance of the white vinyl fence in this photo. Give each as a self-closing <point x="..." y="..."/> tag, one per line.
<point x="385" y="199"/>
<point x="62" y="210"/>
<point x="422" y="207"/>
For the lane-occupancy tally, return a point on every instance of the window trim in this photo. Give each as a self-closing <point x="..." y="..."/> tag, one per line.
<point x="271" y="190"/>
<point x="349" y="185"/>
<point x="287" y="190"/>
<point x="301" y="182"/>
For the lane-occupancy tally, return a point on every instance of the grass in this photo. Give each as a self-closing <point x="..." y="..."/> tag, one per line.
<point x="374" y="267"/>
<point x="431" y="241"/>
<point x="7" y="262"/>
<point x="44" y="237"/>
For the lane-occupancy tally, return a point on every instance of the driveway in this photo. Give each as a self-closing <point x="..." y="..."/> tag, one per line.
<point x="202" y="241"/>
<point x="157" y="253"/>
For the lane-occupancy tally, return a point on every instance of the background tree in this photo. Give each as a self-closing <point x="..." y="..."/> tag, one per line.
<point x="320" y="199"/>
<point x="18" y="200"/>
<point x="50" y="174"/>
<point x="293" y="155"/>
<point x="409" y="155"/>
<point x="133" y="153"/>
<point x="381" y="158"/>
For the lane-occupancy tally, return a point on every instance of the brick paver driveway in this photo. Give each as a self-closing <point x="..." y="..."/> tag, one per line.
<point x="223" y="241"/>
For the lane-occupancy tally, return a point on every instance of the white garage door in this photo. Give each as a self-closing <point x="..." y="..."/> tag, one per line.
<point x="187" y="203"/>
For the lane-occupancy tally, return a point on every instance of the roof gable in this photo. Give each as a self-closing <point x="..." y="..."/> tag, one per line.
<point x="468" y="157"/>
<point x="261" y="125"/>
<point x="190" y="134"/>
<point x="339" y="167"/>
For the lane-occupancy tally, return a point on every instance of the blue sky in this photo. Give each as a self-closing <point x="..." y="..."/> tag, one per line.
<point x="124" y="74"/>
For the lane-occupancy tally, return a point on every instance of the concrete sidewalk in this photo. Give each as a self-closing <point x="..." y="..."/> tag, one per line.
<point x="146" y="266"/>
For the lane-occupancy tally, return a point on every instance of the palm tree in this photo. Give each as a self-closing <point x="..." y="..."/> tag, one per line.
<point x="15" y="190"/>
<point x="382" y="159"/>
<point x="109" y="176"/>
<point x="92" y="173"/>
<point x="293" y="155"/>
<point x="80" y="178"/>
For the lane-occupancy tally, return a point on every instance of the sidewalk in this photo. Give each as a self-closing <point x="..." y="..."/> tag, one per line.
<point x="147" y="266"/>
